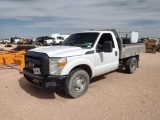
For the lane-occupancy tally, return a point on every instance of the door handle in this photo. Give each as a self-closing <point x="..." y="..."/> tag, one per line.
<point x="116" y="53"/>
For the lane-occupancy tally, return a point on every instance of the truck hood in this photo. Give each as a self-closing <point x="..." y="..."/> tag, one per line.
<point x="61" y="51"/>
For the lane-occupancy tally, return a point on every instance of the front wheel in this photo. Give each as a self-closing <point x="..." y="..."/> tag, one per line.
<point x="77" y="83"/>
<point x="50" y="44"/>
<point x="131" y="65"/>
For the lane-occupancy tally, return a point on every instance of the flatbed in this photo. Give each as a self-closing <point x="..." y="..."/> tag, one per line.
<point x="132" y="50"/>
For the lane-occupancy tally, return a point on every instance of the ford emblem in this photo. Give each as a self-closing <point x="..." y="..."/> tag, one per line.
<point x="30" y="64"/>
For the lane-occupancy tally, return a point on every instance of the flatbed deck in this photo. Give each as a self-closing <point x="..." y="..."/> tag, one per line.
<point x="129" y="50"/>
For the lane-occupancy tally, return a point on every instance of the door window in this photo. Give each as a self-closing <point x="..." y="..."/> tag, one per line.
<point x="106" y="37"/>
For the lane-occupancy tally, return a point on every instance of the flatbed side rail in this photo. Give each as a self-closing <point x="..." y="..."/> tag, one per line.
<point x="132" y="50"/>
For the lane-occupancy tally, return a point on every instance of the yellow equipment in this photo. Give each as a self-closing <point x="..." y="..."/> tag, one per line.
<point x="158" y="49"/>
<point x="13" y="57"/>
<point x="151" y="44"/>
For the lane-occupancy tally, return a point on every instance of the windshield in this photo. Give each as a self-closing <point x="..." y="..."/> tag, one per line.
<point x="81" y="40"/>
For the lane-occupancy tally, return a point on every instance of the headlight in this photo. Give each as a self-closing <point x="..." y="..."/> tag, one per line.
<point x="56" y="65"/>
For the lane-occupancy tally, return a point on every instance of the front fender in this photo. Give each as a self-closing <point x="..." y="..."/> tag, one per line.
<point x="80" y="61"/>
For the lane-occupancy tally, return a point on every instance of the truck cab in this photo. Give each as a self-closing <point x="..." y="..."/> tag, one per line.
<point x="71" y="65"/>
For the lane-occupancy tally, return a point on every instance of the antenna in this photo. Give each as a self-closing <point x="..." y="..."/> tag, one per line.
<point x="57" y="28"/>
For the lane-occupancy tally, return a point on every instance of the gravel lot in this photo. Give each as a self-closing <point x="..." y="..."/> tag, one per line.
<point x="113" y="96"/>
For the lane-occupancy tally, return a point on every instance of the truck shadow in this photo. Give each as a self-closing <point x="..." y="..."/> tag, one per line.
<point x="121" y="70"/>
<point x="98" y="78"/>
<point x="11" y="66"/>
<point x="102" y="77"/>
<point x="39" y="92"/>
<point x="51" y="94"/>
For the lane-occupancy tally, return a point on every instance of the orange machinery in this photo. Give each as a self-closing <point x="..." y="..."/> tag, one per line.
<point x="15" y="56"/>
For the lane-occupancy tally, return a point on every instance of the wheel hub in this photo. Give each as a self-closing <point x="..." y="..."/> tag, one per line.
<point x="79" y="83"/>
<point x="133" y="64"/>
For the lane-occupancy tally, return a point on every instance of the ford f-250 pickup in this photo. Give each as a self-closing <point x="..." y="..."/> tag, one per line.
<point x="78" y="59"/>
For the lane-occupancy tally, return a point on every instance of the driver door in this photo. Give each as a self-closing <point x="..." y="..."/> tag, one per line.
<point x="106" y="61"/>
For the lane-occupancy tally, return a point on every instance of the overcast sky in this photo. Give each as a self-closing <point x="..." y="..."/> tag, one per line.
<point x="34" y="18"/>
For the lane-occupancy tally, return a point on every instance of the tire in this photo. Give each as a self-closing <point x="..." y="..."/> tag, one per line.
<point x="77" y="83"/>
<point x="37" y="43"/>
<point x="40" y="44"/>
<point x="50" y="44"/>
<point x="60" y="42"/>
<point x="131" y="65"/>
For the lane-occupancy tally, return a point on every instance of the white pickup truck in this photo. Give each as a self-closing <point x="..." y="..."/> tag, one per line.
<point x="49" y="40"/>
<point x="58" y="38"/>
<point x="5" y="41"/>
<point x="78" y="59"/>
<point x="17" y="39"/>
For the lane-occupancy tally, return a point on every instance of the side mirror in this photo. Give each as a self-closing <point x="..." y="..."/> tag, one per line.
<point x="108" y="46"/>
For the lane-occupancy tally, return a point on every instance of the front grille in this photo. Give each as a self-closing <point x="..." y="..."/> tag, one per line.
<point x="37" y="64"/>
<point x="37" y="60"/>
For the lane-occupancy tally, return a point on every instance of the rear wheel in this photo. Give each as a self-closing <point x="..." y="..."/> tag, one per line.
<point x="77" y="83"/>
<point x="131" y="65"/>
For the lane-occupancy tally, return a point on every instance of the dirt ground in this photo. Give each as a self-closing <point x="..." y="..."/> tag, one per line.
<point x="113" y="96"/>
